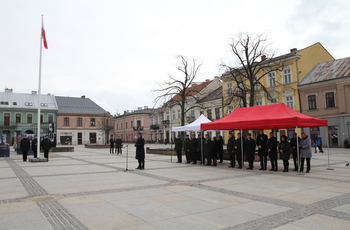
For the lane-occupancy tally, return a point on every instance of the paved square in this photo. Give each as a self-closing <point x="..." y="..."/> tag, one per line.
<point x="90" y="189"/>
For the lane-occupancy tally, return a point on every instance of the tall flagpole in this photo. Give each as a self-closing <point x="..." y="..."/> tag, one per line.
<point x="39" y="90"/>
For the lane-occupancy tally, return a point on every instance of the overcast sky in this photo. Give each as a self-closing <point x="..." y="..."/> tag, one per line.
<point x="115" y="51"/>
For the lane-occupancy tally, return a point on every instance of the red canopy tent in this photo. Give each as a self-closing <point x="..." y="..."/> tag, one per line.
<point x="277" y="116"/>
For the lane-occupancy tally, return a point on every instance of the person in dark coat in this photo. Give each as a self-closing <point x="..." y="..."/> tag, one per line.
<point x="284" y="150"/>
<point x="193" y="149"/>
<point x="207" y="148"/>
<point x="294" y="145"/>
<point x="111" y="145"/>
<point x="25" y="146"/>
<point x="261" y="142"/>
<point x="272" y="150"/>
<point x="118" y="146"/>
<point x="200" y="143"/>
<point x="46" y="146"/>
<point x="238" y="150"/>
<point x="305" y="152"/>
<point x="231" y="150"/>
<point x="35" y="146"/>
<point x="221" y="148"/>
<point x="249" y="150"/>
<point x="187" y="149"/>
<point x="140" y="151"/>
<point x="178" y="149"/>
<point x="214" y="151"/>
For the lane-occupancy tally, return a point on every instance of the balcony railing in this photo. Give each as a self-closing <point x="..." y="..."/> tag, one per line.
<point x="137" y="128"/>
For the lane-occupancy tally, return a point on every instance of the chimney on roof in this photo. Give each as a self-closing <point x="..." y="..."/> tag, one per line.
<point x="139" y="108"/>
<point x="83" y="96"/>
<point x="263" y="57"/>
<point x="206" y="80"/>
<point x="293" y="50"/>
<point x="7" y="90"/>
<point x="145" y="107"/>
<point x="34" y="92"/>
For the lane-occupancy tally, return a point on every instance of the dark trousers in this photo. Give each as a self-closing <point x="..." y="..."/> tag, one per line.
<point x="286" y="165"/>
<point x="35" y="153"/>
<point x="111" y="149"/>
<point x="250" y="159"/>
<point x="274" y="164"/>
<point x="194" y="157"/>
<point x="263" y="162"/>
<point x="118" y="150"/>
<point x="208" y="160"/>
<point x="179" y="156"/>
<point x="24" y="155"/>
<point x="46" y="154"/>
<point x="188" y="157"/>
<point x="320" y="148"/>
<point x="295" y="160"/>
<point x="239" y="159"/>
<point x="232" y="160"/>
<point x="215" y="161"/>
<point x="221" y="156"/>
<point x="141" y="164"/>
<point x="308" y="166"/>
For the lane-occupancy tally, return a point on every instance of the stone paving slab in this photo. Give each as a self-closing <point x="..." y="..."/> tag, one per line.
<point x="90" y="189"/>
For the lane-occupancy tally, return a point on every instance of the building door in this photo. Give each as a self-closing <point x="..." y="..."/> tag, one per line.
<point x="333" y="136"/>
<point x="92" y="138"/>
<point x="80" y="138"/>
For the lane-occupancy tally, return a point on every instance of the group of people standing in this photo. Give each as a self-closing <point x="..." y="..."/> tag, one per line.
<point x="26" y="145"/>
<point x="115" y="145"/>
<point x="266" y="146"/>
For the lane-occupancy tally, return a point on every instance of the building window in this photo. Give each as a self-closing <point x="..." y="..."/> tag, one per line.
<point x="312" y="102"/>
<point x="126" y="125"/>
<point x="272" y="79"/>
<point x="229" y="88"/>
<point x="201" y="112"/>
<point x="121" y="125"/>
<point x="6" y="119"/>
<point x="79" y="121"/>
<point x="258" y="103"/>
<point x="256" y="83"/>
<point x="330" y="102"/>
<point x="230" y="109"/>
<point x="18" y="118"/>
<point x="41" y="118"/>
<point x="138" y="122"/>
<point x="131" y="123"/>
<point x="290" y="102"/>
<point x="14" y="103"/>
<point x="210" y="117"/>
<point x="167" y="115"/>
<point x="178" y="114"/>
<point x="287" y="76"/>
<point x="29" y="118"/>
<point x="273" y="101"/>
<point x="174" y="115"/>
<point x="217" y="113"/>
<point x="50" y="118"/>
<point x="66" y="121"/>
<point x="117" y="127"/>
<point x="92" y="122"/>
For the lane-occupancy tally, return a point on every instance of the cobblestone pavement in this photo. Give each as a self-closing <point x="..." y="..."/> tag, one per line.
<point x="91" y="189"/>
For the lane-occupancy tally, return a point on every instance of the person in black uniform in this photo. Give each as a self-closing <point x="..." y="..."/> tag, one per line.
<point x="249" y="150"/>
<point x="46" y="146"/>
<point x="214" y="151"/>
<point x="231" y="150"/>
<point x="200" y="142"/>
<point x="118" y="145"/>
<point x="178" y="149"/>
<point x="284" y="149"/>
<point x="294" y="145"/>
<point x="238" y="150"/>
<point x="25" y="146"/>
<point x="111" y="145"/>
<point x="35" y="146"/>
<point x="193" y="149"/>
<point x="140" y="151"/>
<point x="272" y="150"/>
<point x="261" y="142"/>
<point x="207" y="149"/>
<point x="221" y="148"/>
<point x="187" y="148"/>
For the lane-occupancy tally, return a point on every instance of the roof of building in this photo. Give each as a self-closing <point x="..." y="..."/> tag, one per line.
<point x="11" y="100"/>
<point x="78" y="105"/>
<point x="136" y="112"/>
<point x="215" y="95"/>
<point x="327" y="71"/>
<point x="193" y="90"/>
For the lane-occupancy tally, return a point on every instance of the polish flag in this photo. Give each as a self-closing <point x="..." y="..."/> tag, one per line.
<point x="43" y="35"/>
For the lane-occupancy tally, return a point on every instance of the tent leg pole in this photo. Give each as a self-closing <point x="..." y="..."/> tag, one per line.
<point x="242" y="156"/>
<point x="329" y="165"/>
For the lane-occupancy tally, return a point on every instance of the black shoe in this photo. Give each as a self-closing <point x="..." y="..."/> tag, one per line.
<point x="264" y="169"/>
<point x="138" y="167"/>
<point x="220" y="161"/>
<point x="249" y="168"/>
<point x="194" y="163"/>
<point x="275" y="170"/>
<point x="285" y="170"/>
<point x="230" y="167"/>
<point x="295" y="170"/>
<point x="261" y="168"/>
<point x="307" y="171"/>
<point x="271" y="170"/>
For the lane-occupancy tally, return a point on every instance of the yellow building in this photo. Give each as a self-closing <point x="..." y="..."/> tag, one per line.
<point x="281" y="83"/>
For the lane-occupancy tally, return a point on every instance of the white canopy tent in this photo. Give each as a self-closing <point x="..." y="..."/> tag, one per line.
<point x="194" y="126"/>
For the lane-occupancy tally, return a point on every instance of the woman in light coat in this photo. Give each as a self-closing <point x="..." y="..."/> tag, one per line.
<point x="305" y="152"/>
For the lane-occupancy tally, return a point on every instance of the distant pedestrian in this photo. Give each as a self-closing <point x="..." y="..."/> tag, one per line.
<point x="119" y="145"/>
<point x="214" y="151"/>
<point x="207" y="148"/>
<point x="193" y="149"/>
<point x="178" y="149"/>
<point x="111" y="145"/>
<point x="24" y="146"/>
<point x="46" y="146"/>
<point x="261" y="142"/>
<point x="200" y="142"/>
<point x="140" y="151"/>
<point x="294" y="145"/>
<point x="249" y="150"/>
<point x="305" y="152"/>
<point x="238" y="150"/>
<point x="221" y="148"/>
<point x="272" y="150"/>
<point x="231" y="150"/>
<point x="284" y="149"/>
<point x="187" y="149"/>
<point x="35" y="146"/>
<point x="318" y="144"/>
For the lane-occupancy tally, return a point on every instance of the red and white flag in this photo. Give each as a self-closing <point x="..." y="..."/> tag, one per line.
<point x="43" y="36"/>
